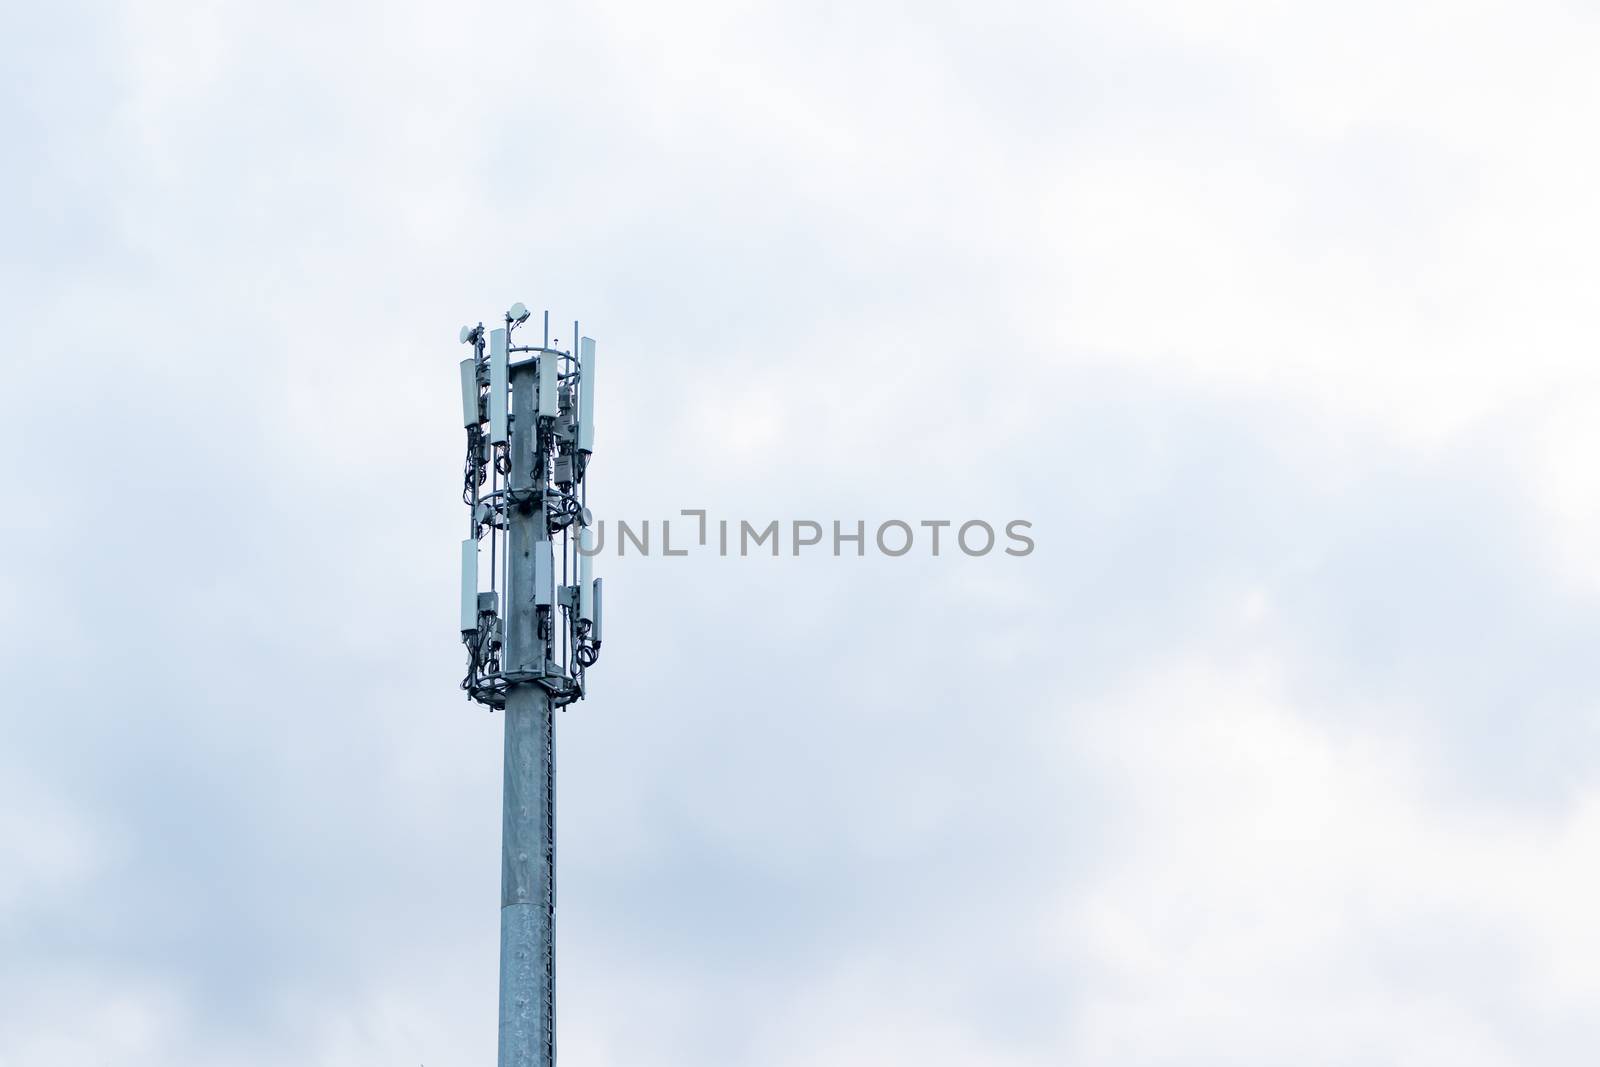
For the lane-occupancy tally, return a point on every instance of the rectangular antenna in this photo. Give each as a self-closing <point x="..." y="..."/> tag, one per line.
<point x="469" y="585"/>
<point x="585" y="573"/>
<point x="469" y="392"/>
<point x="586" y="395"/>
<point x="549" y="402"/>
<point x="499" y="385"/>
<point x="544" y="574"/>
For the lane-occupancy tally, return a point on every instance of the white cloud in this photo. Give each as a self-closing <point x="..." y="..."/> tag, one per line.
<point x="82" y="1017"/>
<point x="1282" y="880"/>
<point x="48" y="846"/>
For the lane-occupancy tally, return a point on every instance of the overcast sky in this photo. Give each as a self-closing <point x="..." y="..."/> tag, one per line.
<point x="1276" y="320"/>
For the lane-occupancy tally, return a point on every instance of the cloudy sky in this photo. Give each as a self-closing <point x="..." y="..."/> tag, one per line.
<point x="1277" y="321"/>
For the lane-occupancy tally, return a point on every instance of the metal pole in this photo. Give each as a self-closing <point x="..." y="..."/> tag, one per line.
<point x="527" y="915"/>
<point x="538" y="444"/>
<point x="527" y="882"/>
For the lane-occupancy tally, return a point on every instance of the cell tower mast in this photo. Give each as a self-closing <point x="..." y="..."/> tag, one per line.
<point x="530" y="620"/>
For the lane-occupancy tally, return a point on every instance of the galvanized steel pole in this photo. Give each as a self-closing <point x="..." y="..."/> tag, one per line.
<point x="527" y="884"/>
<point x="528" y="849"/>
<point x="530" y="642"/>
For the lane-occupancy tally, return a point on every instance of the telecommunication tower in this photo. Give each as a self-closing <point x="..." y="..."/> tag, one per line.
<point x="530" y="619"/>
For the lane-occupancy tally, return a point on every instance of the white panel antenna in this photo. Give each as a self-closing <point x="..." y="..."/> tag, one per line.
<point x="586" y="395"/>
<point x="499" y="388"/>
<point x="549" y="399"/>
<point x="469" y="392"/>
<point x="469" y="585"/>
<point x="544" y="582"/>
<point x="585" y="575"/>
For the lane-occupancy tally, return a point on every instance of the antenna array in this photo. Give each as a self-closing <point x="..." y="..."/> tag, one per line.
<point x="529" y="416"/>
